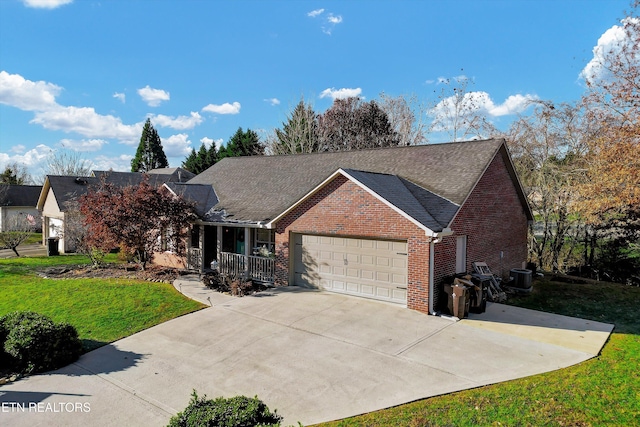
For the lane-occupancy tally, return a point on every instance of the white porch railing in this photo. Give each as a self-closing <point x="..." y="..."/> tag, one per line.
<point x="252" y="267"/>
<point x="194" y="259"/>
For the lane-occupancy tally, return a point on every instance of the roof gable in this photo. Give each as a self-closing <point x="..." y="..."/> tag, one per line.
<point x="413" y="204"/>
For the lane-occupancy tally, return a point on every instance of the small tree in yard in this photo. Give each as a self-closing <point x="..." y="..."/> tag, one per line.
<point x="19" y="230"/>
<point x="138" y="218"/>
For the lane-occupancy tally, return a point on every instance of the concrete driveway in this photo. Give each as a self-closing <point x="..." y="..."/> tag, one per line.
<point x="315" y="356"/>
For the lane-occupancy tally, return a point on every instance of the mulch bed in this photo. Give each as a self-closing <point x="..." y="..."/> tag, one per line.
<point x="152" y="273"/>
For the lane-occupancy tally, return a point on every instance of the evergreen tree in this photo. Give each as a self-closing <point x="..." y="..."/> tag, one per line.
<point x="9" y="176"/>
<point x="242" y="144"/>
<point x="299" y="133"/>
<point x="150" y="154"/>
<point x="190" y="163"/>
<point x="201" y="160"/>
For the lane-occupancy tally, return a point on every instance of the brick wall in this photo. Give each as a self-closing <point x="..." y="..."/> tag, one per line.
<point x="494" y="221"/>
<point x="342" y="208"/>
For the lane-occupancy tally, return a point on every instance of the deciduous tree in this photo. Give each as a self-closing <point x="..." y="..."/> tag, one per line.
<point x="351" y="124"/>
<point x="67" y="163"/>
<point x="139" y="218"/>
<point x="548" y="151"/>
<point x="612" y="188"/>
<point x="406" y="118"/>
<point x="17" y="231"/>
<point x="459" y="114"/>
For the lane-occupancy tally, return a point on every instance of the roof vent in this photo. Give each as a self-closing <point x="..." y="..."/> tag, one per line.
<point x="81" y="181"/>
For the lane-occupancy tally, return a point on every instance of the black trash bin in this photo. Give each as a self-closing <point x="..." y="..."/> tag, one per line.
<point x="52" y="246"/>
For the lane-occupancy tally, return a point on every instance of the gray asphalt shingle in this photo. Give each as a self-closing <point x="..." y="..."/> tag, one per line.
<point x="259" y="188"/>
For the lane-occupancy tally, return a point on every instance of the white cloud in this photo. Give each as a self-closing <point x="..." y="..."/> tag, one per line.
<point x="482" y="104"/>
<point x="225" y="108"/>
<point x="153" y="97"/>
<point x="178" y="123"/>
<point x="31" y="159"/>
<point x="18" y="148"/>
<point x="40" y="97"/>
<point x="272" y="101"/>
<point x="177" y="145"/>
<point x="86" y="122"/>
<point x="208" y="141"/>
<point x="329" y="20"/>
<point x="45" y="4"/>
<point x="118" y="163"/>
<point x="315" y="13"/>
<point x="611" y="42"/>
<point x="334" y="19"/>
<point x="120" y="96"/>
<point x="27" y="95"/>
<point x="340" y="93"/>
<point x="83" y="144"/>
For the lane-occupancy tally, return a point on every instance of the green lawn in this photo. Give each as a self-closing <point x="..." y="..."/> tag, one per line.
<point x="101" y="310"/>
<point x="601" y="391"/>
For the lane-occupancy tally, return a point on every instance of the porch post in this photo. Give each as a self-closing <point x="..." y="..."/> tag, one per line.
<point x="201" y="244"/>
<point x="247" y="250"/>
<point x="218" y="243"/>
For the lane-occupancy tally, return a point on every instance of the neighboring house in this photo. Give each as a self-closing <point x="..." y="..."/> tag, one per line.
<point x="56" y="200"/>
<point x="389" y="224"/>
<point x="18" y="201"/>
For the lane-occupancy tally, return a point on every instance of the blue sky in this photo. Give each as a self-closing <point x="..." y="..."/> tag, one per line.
<point x="84" y="75"/>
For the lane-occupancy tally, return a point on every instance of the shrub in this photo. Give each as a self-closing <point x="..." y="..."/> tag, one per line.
<point x="238" y="411"/>
<point x="35" y="343"/>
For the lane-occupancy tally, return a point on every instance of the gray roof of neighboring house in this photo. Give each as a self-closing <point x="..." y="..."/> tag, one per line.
<point x="177" y="174"/>
<point x="19" y="195"/>
<point x="67" y="188"/>
<point x="259" y="188"/>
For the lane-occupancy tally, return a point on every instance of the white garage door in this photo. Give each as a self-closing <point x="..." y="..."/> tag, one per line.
<point x="367" y="268"/>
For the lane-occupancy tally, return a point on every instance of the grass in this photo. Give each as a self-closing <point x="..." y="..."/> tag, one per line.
<point x="102" y="310"/>
<point x="601" y="391"/>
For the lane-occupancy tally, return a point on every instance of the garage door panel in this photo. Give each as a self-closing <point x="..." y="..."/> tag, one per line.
<point x="367" y="290"/>
<point x="362" y="267"/>
<point x="399" y="279"/>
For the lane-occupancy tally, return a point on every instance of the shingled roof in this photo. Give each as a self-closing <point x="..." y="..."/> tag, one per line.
<point x="260" y="188"/>
<point x="67" y="188"/>
<point x="19" y="195"/>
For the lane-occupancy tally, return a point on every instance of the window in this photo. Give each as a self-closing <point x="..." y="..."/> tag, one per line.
<point x="264" y="242"/>
<point x="461" y="254"/>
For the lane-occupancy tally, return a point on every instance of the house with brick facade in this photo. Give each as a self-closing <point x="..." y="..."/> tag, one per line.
<point x="389" y="223"/>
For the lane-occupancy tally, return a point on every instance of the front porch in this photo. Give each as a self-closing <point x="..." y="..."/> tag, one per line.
<point x="235" y="251"/>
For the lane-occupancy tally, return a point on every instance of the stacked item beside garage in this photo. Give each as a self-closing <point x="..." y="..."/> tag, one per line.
<point x="465" y="296"/>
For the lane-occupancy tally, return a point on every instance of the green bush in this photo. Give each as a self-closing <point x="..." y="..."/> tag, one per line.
<point x="33" y="342"/>
<point x="238" y="411"/>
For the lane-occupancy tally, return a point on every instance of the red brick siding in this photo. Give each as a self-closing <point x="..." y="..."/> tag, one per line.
<point x="494" y="221"/>
<point x="342" y="208"/>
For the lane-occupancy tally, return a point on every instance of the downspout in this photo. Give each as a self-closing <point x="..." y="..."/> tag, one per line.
<point x="435" y="238"/>
<point x="431" y="284"/>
